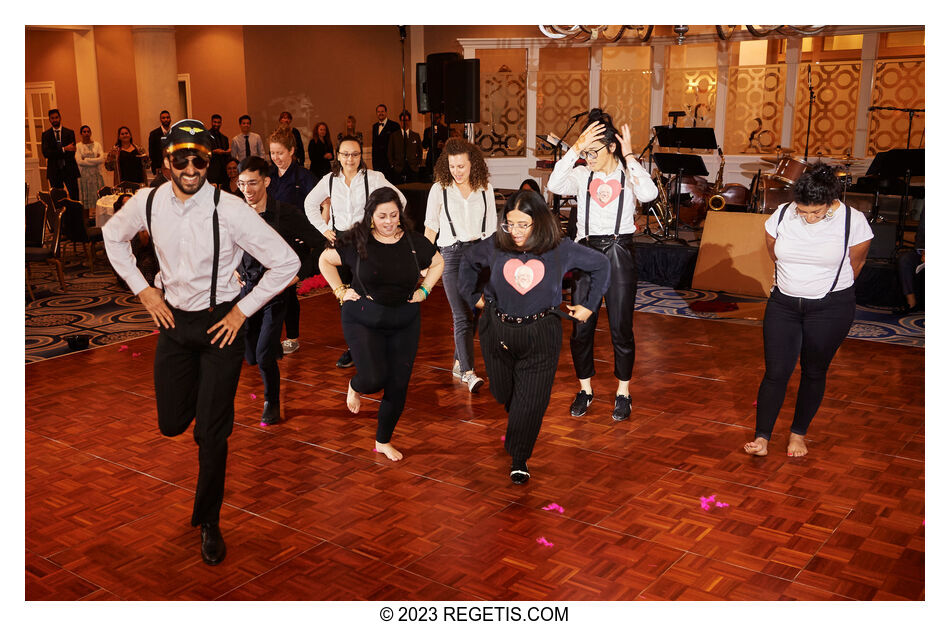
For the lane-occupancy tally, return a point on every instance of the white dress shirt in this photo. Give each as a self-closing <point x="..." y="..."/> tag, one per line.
<point x="183" y="238"/>
<point x="567" y="180"/>
<point x="348" y="201"/>
<point x="257" y="146"/>
<point x="466" y="214"/>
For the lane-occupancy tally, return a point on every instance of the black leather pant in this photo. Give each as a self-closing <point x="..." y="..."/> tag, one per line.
<point x="620" y="299"/>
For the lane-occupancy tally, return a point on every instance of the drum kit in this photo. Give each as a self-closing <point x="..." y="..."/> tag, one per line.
<point x="773" y="189"/>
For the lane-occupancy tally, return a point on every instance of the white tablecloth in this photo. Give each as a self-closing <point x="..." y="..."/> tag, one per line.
<point x="104" y="209"/>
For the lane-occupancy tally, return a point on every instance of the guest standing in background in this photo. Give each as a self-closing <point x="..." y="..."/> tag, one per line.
<point x="217" y="173"/>
<point x="349" y="130"/>
<point x="155" y="141"/>
<point x="231" y="172"/>
<point x="320" y="150"/>
<point x="126" y="160"/>
<point x="381" y="132"/>
<point x="59" y="148"/>
<point x="89" y="156"/>
<point x="434" y="148"/>
<point x="247" y="143"/>
<point x="286" y="121"/>
<point x="405" y="152"/>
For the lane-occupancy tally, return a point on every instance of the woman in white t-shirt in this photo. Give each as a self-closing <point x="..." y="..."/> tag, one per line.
<point x="819" y="246"/>
<point x="461" y="211"/>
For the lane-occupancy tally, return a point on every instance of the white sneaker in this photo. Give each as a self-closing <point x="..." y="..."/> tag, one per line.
<point x="290" y="345"/>
<point x="456" y="371"/>
<point x="474" y="382"/>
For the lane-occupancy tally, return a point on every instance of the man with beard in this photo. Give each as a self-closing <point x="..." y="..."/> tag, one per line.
<point x="200" y="235"/>
<point x="155" y="139"/>
<point x="217" y="171"/>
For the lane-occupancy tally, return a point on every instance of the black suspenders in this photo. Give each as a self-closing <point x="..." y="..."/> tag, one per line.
<point x="623" y="180"/>
<point x="445" y="206"/>
<point x="330" y="195"/>
<point x="215" y="234"/>
<point x="847" y="238"/>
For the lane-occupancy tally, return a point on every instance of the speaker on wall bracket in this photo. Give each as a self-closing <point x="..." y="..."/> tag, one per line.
<point x="461" y="84"/>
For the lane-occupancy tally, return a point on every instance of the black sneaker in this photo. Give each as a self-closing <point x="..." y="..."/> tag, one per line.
<point x="621" y="408"/>
<point x="580" y="404"/>
<point x="519" y="473"/>
<point x="345" y="361"/>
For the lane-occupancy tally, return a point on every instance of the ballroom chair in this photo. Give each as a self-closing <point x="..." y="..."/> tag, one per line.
<point x="105" y="191"/>
<point x="127" y="186"/>
<point x="75" y="230"/>
<point x="35" y="226"/>
<point x="58" y="194"/>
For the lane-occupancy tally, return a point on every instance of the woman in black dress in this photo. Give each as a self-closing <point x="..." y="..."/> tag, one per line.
<point x="320" y="150"/>
<point x="126" y="159"/>
<point x="380" y="311"/>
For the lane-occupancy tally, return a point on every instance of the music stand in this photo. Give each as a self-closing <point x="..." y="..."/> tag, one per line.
<point x="679" y="138"/>
<point x="897" y="164"/>
<point x="675" y="164"/>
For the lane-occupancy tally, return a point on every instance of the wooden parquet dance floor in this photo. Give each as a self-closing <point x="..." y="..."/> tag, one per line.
<point x="312" y="513"/>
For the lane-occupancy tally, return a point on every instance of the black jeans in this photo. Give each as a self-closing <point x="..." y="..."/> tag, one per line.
<point x="620" y="299"/>
<point x="262" y="345"/>
<point x="196" y="381"/>
<point x="383" y="341"/>
<point x="292" y="312"/>
<point x="521" y="361"/>
<point x="806" y="330"/>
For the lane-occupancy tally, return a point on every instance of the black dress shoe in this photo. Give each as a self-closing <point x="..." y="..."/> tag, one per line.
<point x="212" y="544"/>
<point x="345" y="361"/>
<point x="621" y="408"/>
<point x="519" y="473"/>
<point x="271" y="414"/>
<point x="580" y="404"/>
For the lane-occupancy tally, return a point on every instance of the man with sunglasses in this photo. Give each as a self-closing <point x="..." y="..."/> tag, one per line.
<point x="200" y="236"/>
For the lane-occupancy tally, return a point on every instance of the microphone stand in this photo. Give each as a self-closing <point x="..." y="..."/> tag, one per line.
<point x="558" y="155"/>
<point x="811" y="101"/>
<point x="664" y="228"/>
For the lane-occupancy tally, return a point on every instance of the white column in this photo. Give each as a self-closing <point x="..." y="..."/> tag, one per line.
<point x="793" y="55"/>
<point x="531" y="101"/>
<point x="657" y="82"/>
<point x="156" y="74"/>
<point x="722" y="90"/>
<point x="596" y="63"/>
<point x="861" y="116"/>
<point x="87" y="78"/>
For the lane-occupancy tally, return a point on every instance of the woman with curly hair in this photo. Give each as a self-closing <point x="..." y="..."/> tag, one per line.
<point x="461" y="211"/>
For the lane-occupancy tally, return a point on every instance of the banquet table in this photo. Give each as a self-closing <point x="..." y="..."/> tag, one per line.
<point x="104" y="209"/>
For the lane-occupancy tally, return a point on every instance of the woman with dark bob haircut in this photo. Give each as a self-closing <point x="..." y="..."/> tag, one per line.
<point x="819" y="246"/>
<point x="520" y="330"/>
<point x="380" y="311"/>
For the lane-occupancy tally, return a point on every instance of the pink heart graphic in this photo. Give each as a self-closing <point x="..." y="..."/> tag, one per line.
<point x="524" y="276"/>
<point x="603" y="192"/>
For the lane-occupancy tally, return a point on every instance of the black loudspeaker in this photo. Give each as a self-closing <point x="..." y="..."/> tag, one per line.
<point x="462" y="92"/>
<point x="422" y="95"/>
<point x="884" y="244"/>
<point x="435" y="77"/>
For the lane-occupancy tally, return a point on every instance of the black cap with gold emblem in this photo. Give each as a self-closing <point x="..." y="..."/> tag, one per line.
<point x="189" y="135"/>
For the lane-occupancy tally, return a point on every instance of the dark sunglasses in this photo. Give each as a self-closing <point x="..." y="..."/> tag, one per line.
<point x="180" y="161"/>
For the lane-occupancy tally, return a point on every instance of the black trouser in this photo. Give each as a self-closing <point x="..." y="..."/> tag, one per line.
<point x="195" y="381"/>
<point x="383" y="341"/>
<point x="262" y="345"/>
<point x="520" y="360"/>
<point x="620" y="299"/>
<point x="71" y="184"/>
<point x="291" y="312"/>
<point x="800" y="329"/>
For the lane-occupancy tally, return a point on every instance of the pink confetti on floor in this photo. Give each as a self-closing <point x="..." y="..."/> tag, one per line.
<point x="123" y="348"/>
<point x="502" y="437"/>
<point x="755" y="403"/>
<point x="136" y="354"/>
<point x="154" y="332"/>
<point x="554" y="506"/>
<point x="253" y="396"/>
<point x="544" y="542"/>
<point x="706" y="502"/>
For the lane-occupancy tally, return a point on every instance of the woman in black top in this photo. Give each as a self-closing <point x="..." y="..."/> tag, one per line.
<point x="520" y="331"/>
<point x="126" y="159"/>
<point x="320" y="150"/>
<point x="380" y="311"/>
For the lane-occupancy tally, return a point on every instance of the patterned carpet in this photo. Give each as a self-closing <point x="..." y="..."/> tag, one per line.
<point x="99" y="307"/>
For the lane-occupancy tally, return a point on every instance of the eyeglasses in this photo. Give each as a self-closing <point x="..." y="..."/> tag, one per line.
<point x="590" y="155"/>
<point x="180" y="161"/>
<point x="510" y="228"/>
<point x="249" y="183"/>
<point x="350" y="155"/>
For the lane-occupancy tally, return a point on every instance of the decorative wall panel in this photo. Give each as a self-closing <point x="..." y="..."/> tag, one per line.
<point x="896" y="84"/>
<point x="693" y="91"/>
<point x="625" y="94"/>
<point x="561" y="94"/>
<point x="836" y="87"/>
<point x="503" y="126"/>
<point x="754" y="111"/>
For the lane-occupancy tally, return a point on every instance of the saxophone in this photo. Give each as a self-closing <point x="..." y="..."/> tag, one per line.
<point x="661" y="206"/>
<point x="716" y="201"/>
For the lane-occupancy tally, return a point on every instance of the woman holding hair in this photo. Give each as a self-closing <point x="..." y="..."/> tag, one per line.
<point x="520" y="331"/>
<point x="607" y="189"/>
<point x="380" y="309"/>
<point x="461" y="211"/>
<point x="819" y="246"/>
<point x="348" y="187"/>
<point x="320" y="150"/>
<point x="126" y="159"/>
<point x="89" y="156"/>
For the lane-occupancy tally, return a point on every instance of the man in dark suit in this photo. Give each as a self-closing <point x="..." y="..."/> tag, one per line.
<point x="405" y="152"/>
<point x="285" y="121"/>
<point x="155" y="140"/>
<point x="59" y="147"/>
<point x="434" y="148"/>
<point x="217" y="171"/>
<point x="381" y="132"/>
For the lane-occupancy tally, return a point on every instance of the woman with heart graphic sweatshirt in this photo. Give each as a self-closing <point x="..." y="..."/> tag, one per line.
<point x="607" y="190"/>
<point x="520" y="331"/>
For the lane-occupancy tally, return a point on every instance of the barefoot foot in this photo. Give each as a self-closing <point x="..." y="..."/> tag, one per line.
<point x="759" y="447"/>
<point x="352" y="399"/>
<point x="796" y="445"/>
<point x="392" y="453"/>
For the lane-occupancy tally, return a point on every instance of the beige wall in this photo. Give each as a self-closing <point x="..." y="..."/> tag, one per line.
<point x="117" y="96"/>
<point x="445" y="38"/>
<point x="50" y="57"/>
<point x="214" y="59"/>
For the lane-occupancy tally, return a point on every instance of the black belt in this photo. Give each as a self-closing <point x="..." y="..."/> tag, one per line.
<point x="530" y="319"/>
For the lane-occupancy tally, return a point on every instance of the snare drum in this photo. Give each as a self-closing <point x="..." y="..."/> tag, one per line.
<point x="789" y="169"/>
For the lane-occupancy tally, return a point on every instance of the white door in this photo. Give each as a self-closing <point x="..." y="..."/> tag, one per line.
<point x="40" y="98"/>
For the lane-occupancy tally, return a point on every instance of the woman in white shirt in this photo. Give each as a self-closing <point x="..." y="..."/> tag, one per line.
<point x="347" y="186"/>
<point x="461" y="211"/>
<point x="819" y="246"/>
<point x="89" y="156"/>
<point x="607" y="190"/>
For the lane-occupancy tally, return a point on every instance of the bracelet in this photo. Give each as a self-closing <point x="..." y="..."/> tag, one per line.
<point x="339" y="292"/>
<point x="424" y="290"/>
<point x="627" y="155"/>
